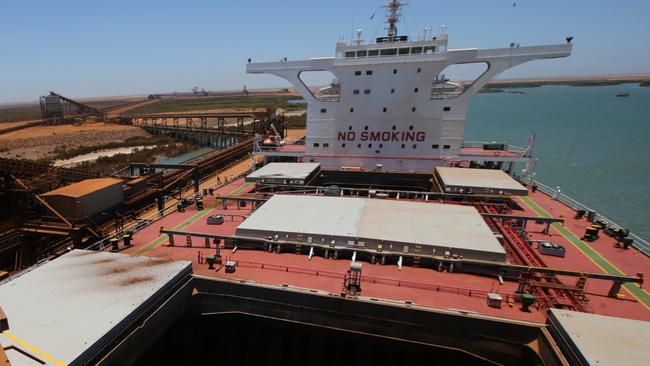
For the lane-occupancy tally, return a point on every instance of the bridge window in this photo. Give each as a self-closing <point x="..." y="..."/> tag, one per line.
<point x="349" y="54"/>
<point x="446" y="147"/>
<point x="404" y="51"/>
<point x="362" y="53"/>
<point x="416" y="50"/>
<point x="373" y="53"/>
<point x="388" y="52"/>
<point x="314" y="81"/>
<point x="429" y="50"/>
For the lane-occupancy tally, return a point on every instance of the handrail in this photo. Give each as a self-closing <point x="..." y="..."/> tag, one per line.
<point x="642" y="245"/>
<point x="141" y="223"/>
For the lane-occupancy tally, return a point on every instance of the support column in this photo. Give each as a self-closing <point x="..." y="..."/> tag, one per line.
<point x="195" y="181"/>
<point x="160" y="199"/>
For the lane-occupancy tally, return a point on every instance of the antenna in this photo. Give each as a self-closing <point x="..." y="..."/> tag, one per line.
<point x="392" y="16"/>
<point x="358" y="40"/>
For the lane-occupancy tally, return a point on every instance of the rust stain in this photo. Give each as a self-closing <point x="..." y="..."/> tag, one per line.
<point x="85" y="253"/>
<point x="152" y="262"/>
<point x="116" y="270"/>
<point x="135" y="280"/>
<point x="103" y="260"/>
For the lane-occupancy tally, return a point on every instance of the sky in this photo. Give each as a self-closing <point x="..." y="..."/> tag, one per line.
<point x="107" y="48"/>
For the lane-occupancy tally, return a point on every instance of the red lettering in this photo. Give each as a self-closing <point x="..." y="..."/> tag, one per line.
<point x="364" y="136"/>
<point x="403" y="136"/>
<point x="346" y="136"/>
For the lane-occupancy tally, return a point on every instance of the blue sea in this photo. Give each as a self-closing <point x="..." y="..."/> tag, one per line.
<point x="592" y="144"/>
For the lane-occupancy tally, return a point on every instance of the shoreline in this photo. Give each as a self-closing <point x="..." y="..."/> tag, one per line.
<point x="596" y="80"/>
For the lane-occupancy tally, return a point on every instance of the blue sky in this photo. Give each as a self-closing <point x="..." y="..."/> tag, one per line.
<point x="92" y="48"/>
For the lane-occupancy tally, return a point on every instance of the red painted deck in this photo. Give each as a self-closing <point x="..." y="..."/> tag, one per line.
<point x="421" y="286"/>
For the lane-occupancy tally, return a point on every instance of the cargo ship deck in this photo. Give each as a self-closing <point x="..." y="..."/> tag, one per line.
<point x="456" y="290"/>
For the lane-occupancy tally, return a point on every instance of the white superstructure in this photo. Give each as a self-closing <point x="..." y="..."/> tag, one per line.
<point x="391" y="106"/>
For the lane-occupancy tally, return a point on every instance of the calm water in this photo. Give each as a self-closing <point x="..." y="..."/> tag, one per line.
<point x="180" y="159"/>
<point x="593" y="145"/>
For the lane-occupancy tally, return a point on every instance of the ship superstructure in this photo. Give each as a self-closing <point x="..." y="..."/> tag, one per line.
<point x="391" y="105"/>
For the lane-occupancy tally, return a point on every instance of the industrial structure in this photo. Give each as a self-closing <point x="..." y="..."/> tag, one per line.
<point x="57" y="208"/>
<point x="389" y="227"/>
<point x="217" y="129"/>
<point x="480" y="181"/>
<point x="87" y="198"/>
<point x="57" y="109"/>
<point x="391" y="104"/>
<point x="285" y="173"/>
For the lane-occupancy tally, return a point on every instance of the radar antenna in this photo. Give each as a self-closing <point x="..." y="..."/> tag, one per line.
<point x="392" y="16"/>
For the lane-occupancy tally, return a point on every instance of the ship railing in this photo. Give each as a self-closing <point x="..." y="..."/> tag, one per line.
<point x="517" y="149"/>
<point x="642" y="245"/>
<point x="374" y="280"/>
<point x="268" y="149"/>
<point x="143" y="222"/>
<point x="481" y="143"/>
<point x="327" y="97"/>
<point x="506" y="144"/>
<point x="140" y="224"/>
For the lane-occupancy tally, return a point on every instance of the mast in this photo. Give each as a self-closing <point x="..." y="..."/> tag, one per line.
<point x="392" y="16"/>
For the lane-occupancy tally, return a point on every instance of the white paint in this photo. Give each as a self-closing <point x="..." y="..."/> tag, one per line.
<point x="335" y="129"/>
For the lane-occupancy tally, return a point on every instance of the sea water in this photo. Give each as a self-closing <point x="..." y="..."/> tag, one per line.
<point x="593" y="145"/>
